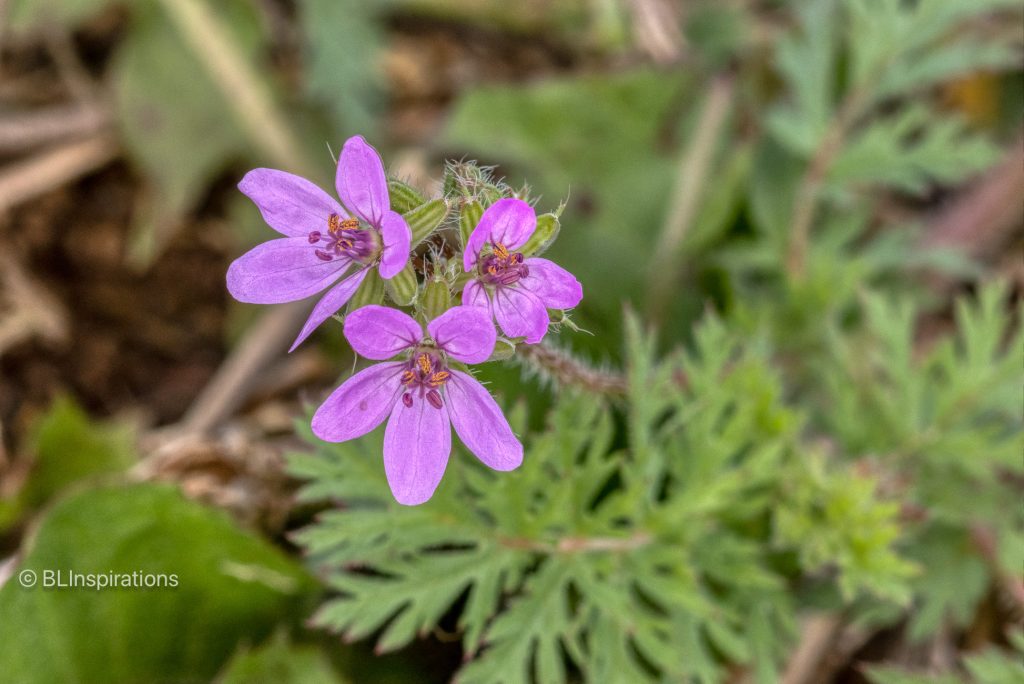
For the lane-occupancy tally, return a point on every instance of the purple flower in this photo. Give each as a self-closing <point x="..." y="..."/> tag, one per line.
<point x="518" y="291"/>
<point x="422" y="395"/>
<point x="324" y="243"/>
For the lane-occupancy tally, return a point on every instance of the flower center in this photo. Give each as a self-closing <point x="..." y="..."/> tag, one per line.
<point x="425" y="374"/>
<point x="344" y="237"/>
<point x="502" y="267"/>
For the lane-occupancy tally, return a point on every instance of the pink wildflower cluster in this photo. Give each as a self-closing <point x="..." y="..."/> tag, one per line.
<point x="422" y="386"/>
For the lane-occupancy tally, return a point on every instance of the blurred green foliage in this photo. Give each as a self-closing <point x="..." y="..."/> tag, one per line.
<point x="799" y="449"/>
<point x="67" y="447"/>
<point x="231" y="587"/>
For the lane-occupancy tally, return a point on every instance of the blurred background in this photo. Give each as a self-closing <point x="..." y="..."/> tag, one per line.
<point x="769" y="160"/>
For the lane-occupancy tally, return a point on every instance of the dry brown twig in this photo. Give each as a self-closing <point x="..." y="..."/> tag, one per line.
<point x="26" y="130"/>
<point x="54" y="167"/>
<point x="28" y="309"/>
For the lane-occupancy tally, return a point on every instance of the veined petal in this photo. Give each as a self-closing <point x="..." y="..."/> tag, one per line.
<point x="330" y="304"/>
<point x="289" y="204"/>
<point x="397" y="236"/>
<point x="417" y="442"/>
<point x="380" y="332"/>
<point x="508" y="221"/>
<point x="281" y="270"/>
<point x="474" y="294"/>
<point x="360" y="404"/>
<point x="555" y="287"/>
<point x="465" y="332"/>
<point x="480" y="424"/>
<point x="520" y="314"/>
<point x="360" y="181"/>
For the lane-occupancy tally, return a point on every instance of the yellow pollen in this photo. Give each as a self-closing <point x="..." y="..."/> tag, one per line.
<point x="501" y="251"/>
<point x="350" y="224"/>
<point x="423" y="361"/>
<point x="407" y="377"/>
<point x="333" y="223"/>
<point x="439" y="378"/>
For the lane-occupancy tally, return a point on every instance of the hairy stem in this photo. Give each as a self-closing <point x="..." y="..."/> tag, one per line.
<point x="565" y="369"/>
<point x="580" y="544"/>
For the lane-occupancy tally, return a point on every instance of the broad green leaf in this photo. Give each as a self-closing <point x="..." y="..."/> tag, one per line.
<point x="68" y="447"/>
<point x="176" y="125"/>
<point x="228" y="588"/>
<point x="341" y="42"/>
<point x="281" y="663"/>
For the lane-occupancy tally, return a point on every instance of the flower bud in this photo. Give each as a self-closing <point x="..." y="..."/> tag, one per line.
<point x="503" y="350"/>
<point x="437" y="298"/>
<point x="425" y="219"/>
<point x="404" y="197"/>
<point x="371" y="291"/>
<point x="468" y="218"/>
<point x="402" y="289"/>
<point x="542" y="238"/>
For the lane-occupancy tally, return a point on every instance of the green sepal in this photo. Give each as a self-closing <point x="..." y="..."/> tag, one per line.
<point x="503" y="350"/>
<point x="425" y="219"/>
<point x="404" y="197"/>
<point x="548" y="226"/>
<point x="437" y="298"/>
<point x="468" y="218"/>
<point x="371" y="291"/>
<point x="403" y="287"/>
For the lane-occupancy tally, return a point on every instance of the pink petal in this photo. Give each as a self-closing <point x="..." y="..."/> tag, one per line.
<point x="508" y="221"/>
<point x="281" y="270"/>
<point x="330" y="304"/>
<point x="289" y="204"/>
<point x="361" y="183"/>
<point x="555" y="287"/>
<point x="397" y="237"/>
<point x="360" y="404"/>
<point x="474" y="294"/>
<point x="379" y="332"/>
<point x="417" y="442"/>
<point x="520" y="314"/>
<point x="465" y="332"/>
<point x="480" y="424"/>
